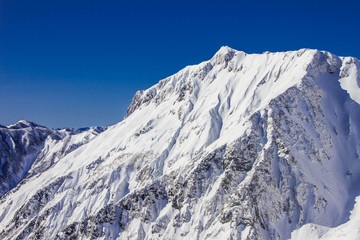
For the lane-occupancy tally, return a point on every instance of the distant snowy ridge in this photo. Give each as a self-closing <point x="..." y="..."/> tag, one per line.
<point x="243" y="146"/>
<point x="19" y="146"/>
<point x="26" y="146"/>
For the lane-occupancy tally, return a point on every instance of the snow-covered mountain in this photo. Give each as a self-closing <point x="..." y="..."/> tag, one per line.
<point x="243" y="146"/>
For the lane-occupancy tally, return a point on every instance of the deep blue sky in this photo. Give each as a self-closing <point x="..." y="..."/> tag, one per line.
<point x="78" y="63"/>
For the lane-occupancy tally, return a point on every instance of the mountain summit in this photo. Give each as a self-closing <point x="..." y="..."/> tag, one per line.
<point x="243" y="146"/>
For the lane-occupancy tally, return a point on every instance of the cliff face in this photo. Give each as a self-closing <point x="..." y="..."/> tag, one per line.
<point x="238" y="147"/>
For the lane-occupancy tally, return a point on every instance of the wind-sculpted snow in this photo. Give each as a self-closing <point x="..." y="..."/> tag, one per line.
<point x="243" y="146"/>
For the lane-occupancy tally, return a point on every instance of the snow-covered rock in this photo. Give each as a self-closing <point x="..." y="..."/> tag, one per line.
<point x="243" y="146"/>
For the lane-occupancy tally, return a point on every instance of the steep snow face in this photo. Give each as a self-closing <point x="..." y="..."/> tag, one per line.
<point x="240" y="146"/>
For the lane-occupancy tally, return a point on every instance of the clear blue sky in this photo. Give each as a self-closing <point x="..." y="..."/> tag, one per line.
<point x="78" y="63"/>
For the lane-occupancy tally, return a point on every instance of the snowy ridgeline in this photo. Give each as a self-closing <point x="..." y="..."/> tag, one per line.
<point x="243" y="146"/>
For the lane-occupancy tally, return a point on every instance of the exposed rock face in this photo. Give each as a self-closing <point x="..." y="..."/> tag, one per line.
<point x="238" y="147"/>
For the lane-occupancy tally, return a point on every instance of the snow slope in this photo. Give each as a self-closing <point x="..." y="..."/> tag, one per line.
<point x="347" y="231"/>
<point x="243" y="146"/>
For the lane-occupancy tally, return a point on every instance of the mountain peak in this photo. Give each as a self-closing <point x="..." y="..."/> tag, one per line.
<point x="225" y="50"/>
<point x="23" y="124"/>
<point x="224" y="54"/>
